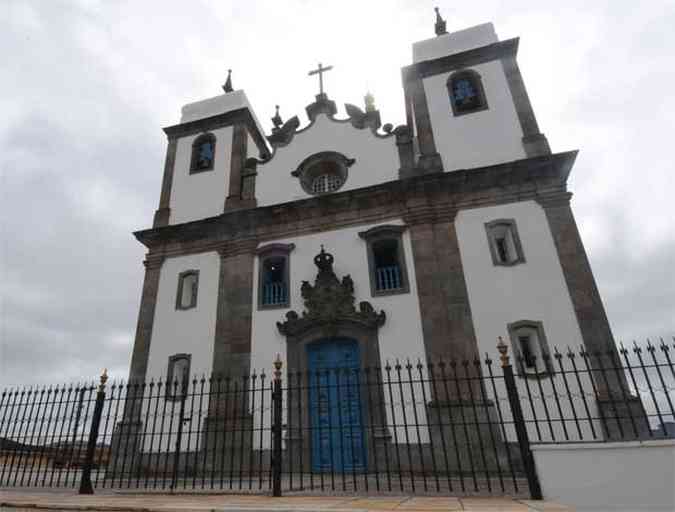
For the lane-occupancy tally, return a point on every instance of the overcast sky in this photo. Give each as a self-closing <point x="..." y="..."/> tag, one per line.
<point x="86" y="86"/>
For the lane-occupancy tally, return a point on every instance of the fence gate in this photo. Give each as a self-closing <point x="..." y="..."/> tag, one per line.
<point x="457" y="428"/>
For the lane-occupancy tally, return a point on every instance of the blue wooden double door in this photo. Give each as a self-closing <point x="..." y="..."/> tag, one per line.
<point x="338" y="442"/>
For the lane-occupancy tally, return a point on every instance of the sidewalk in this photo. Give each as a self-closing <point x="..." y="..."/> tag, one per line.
<point x="17" y="500"/>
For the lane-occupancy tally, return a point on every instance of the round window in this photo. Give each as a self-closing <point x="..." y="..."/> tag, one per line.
<point x="323" y="173"/>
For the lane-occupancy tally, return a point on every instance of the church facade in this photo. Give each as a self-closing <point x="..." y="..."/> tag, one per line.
<point x="358" y="243"/>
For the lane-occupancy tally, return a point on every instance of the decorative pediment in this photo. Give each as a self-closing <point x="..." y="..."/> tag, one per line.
<point x="329" y="302"/>
<point x="361" y="119"/>
<point x="284" y="133"/>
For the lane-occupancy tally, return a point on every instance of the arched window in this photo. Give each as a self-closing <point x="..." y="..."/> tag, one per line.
<point x="203" y="153"/>
<point x="530" y="348"/>
<point x="466" y="92"/>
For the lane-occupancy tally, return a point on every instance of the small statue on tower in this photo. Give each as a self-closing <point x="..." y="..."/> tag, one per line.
<point x="440" y="23"/>
<point x="227" y="86"/>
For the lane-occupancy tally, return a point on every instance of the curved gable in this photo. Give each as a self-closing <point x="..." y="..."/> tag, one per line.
<point x="375" y="158"/>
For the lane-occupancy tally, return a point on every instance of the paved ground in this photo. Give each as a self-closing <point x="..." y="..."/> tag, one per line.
<point x="15" y="501"/>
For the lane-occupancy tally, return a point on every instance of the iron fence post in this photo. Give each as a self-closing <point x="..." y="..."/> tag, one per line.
<point x="276" y="429"/>
<point x="85" y="482"/>
<point x="184" y="387"/>
<point x="519" y="422"/>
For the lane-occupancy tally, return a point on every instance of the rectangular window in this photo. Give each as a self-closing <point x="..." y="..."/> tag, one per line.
<point x="530" y="348"/>
<point x="178" y="377"/>
<point x="275" y="290"/>
<point x="502" y="249"/>
<point x="188" y="284"/>
<point x="526" y="350"/>
<point x="386" y="260"/>
<point x="504" y="243"/>
<point x="274" y="275"/>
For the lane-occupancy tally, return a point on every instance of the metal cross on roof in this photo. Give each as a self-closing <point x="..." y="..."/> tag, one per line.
<point x="320" y="71"/>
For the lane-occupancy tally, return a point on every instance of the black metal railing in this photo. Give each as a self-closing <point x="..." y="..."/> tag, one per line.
<point x="450" y="427"/>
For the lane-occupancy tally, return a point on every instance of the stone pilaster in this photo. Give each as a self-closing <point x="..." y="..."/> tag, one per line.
<point x="611" y="385"/>
<point x="406" y="154"/>
<point x="447" y="324"/>
<point x="164" y="211"/>
<point x="534" y="142"/>
<point x="232" y="343"/>
<point x="447" y="327"/>
<point x="576" y="268"/>
<point x="430" y="159"/>
<point x="237" y="164"/>
<point x="228" y="409"/>
<point x="146" y="316"/>
<point x="126" y="436"/>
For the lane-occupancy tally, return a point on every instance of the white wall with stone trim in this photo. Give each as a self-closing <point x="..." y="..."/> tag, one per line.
<point x="185" y="330"/>
<point x="534" y="290"/>
<point x="487" y="137"/>
<point x="376" y="160"/>
<point x="189" y="331"/>
<point x="202" y="194"/>
<point x="399" y="338"/>
<point x="636" y="476"/>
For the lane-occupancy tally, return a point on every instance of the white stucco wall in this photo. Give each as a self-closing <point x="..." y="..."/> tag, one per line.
<point x="192" y="330"/>
<point x="188" y="331"/>
<point x="535" y="290"/>
<point x="636" y="476"/>
<point x="200" y="195"/>
<point x="376" y="160"/>
<point x="455" y="42"/>
<point x="400" y="336"/>
<point x="488" y="137"/>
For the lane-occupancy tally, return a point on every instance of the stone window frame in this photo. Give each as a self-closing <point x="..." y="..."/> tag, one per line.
<point x="510" y="224"/>
<point x="480" y="89"/>
<point x="273" y="250"/>
<point x="168" y="391"/>
<point x="386" y="232"/>
<point x="195" y="145"/>
<point x="195" y="290"/>
<point x="514" y="329"/>
<point x="306" y="175"/>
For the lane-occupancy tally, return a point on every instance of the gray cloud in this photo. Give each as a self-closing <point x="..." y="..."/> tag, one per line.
<point x="86" y="86"/>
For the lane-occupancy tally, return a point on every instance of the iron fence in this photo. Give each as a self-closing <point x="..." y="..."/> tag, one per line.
<point x="451" y="427"/>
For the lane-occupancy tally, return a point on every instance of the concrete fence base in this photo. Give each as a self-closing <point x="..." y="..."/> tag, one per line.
<point x="634" y="475"/>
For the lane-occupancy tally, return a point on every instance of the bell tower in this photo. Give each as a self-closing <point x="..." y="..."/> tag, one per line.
<point x="466" y="98"/>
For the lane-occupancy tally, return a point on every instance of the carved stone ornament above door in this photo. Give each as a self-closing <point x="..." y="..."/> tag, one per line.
<point x="329" y="302"/>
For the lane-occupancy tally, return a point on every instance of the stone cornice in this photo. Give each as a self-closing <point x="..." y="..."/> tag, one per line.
<point x="554" y="199"/>
<point x="460" y="60"/>
<point x="153" y="261"/>
<point x="420" y="199"/>
<point x="241" y="115"/>
<point x="237" y="247"/>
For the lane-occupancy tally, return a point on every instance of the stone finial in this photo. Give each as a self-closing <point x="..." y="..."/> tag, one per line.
<point x="103" y="379"/>
<point x="277" y="121"/>
<point x="324" y="260"/>
<point x="227" y="86"/>
<point x="503" y="351"/>
<point x="440" y="23"/>
<point x="369" y="100"/>
<point x="277" y="367"/>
